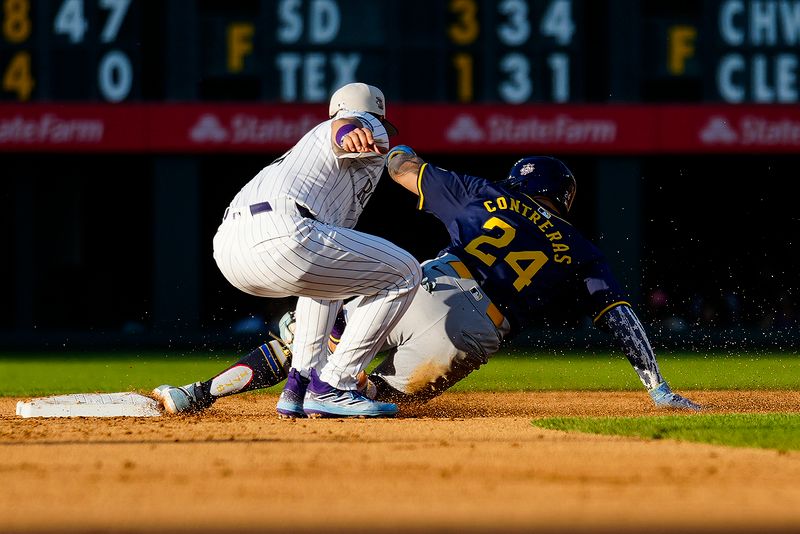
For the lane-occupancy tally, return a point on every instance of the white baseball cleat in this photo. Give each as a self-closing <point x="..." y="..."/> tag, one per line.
<point x="177" y="399"/>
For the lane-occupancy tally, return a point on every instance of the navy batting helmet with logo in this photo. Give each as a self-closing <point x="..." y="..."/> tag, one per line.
<point x="542" y="176"/>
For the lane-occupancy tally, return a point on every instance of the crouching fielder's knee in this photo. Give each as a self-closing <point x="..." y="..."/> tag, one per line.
<point x="412" y="273"/>
<point x="426" y="381"/>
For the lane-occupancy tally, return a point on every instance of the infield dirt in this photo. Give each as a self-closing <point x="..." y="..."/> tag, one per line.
<point x="464" y="462"/>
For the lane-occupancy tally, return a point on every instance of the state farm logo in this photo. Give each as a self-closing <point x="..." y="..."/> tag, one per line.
<point x="51" y="129"/>
<point x="506" y="130"/>
<point x="246" y="128"/>
<point x="718" y="130"/>
<point x="751" y="130"/>
<point x="208" y="129"/>
<point x="465" y="128"/>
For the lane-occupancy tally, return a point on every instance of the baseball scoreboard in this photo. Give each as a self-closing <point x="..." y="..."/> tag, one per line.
<point x="72" y="50"/>
<point x="461" y="51"/>
<point x="174" y="97"/>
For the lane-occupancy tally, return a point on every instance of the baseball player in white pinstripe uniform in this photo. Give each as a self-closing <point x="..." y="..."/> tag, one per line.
<point x="288" y="232"/>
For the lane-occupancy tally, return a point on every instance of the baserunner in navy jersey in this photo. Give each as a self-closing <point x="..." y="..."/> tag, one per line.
<point x="512" y="256"/>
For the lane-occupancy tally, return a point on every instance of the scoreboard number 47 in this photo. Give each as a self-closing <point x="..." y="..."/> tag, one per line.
<point x="114" y="71"/>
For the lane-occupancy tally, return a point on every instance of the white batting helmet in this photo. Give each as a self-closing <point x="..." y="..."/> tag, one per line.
<point x="361" y="97"/>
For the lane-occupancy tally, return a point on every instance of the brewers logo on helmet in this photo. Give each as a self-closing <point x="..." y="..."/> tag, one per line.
<point x="543" y="176"/>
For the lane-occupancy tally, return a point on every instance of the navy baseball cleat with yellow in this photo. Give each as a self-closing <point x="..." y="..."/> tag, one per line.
<point x="324" y="400"/>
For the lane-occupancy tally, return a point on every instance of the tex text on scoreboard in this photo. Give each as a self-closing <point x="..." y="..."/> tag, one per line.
<point x="509" y="51"/>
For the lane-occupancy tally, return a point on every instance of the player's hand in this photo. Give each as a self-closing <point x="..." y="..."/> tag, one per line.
<point x="361" y="140"/>
<point x="399" y="149"/>
<point x="663" y="397"/>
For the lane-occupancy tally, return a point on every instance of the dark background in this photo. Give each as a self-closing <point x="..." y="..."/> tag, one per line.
<point x="705" y="244"/>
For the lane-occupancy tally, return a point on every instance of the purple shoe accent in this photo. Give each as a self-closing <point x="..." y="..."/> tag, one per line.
<point x="316" y="385"/>
<point x="296" y="383"/>
<point x="290" y="403"/>
<point x="324" y="400"/>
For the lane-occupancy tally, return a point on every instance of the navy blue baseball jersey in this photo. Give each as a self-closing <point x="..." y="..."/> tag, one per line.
<point x="526" y="258"/>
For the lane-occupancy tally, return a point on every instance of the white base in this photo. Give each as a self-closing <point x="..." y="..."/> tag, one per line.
<point x="90" y="405"/>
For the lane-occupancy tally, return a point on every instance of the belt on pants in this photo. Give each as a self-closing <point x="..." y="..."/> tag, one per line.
<point x="263" y="207"/>
<point x="492" y="311"/>
<point x="461" y="270"/>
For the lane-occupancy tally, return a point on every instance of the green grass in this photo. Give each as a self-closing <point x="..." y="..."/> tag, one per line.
<point x="537" y="372"/>
<point x="38" y="374"/>
<point x="80" y="373"/>
<point x="768" y="431"/>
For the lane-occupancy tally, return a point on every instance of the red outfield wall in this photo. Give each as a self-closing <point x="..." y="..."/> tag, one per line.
<point x="589" y="129"/>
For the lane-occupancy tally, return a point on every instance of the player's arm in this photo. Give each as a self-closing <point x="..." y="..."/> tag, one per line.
<point x="404" y="167"/>
<point x="350" y="135"/>
<point x="616" y="317"/>
<point x="624" y="326"/>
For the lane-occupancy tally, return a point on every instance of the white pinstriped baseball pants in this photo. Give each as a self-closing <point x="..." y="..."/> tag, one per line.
<point x="283" y="254"/>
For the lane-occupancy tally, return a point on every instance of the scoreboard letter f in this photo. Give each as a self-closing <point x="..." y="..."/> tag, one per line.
<point x="681" y="48"/>
<point x="240" y="44"/>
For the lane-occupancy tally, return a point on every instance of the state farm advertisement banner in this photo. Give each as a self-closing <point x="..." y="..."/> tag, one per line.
<point x="232" y="128"/>
<point x="492" y="129"/>
<point x="154" y="128"/>
<point x="433" y="128"/>
<point x="740" y="129"/>
<point x="476" y="129"/>
<point x="71" y="128"/>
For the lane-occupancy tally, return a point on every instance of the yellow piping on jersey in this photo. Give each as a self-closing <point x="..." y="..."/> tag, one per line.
<point x="419" y="185"/>
<point x="609" y="307"/>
